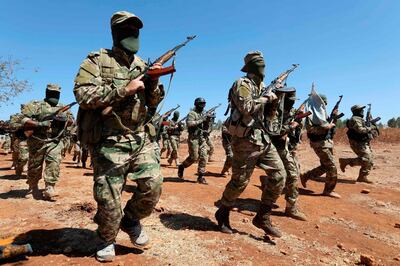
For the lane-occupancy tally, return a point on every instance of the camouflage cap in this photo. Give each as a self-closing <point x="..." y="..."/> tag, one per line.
<point x="53" y="87"/>
<point x="357" y="107"/>
<point x="122" y="16"/>
<point x="253" y="56"/>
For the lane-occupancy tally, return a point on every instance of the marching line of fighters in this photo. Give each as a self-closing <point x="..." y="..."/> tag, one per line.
<point x="118" y="125"/>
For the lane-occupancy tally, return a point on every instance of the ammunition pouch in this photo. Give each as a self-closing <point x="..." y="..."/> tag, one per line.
<point x="90" y="126"/>
<point x="238" y="128"/>
<point x="353" y="135"/>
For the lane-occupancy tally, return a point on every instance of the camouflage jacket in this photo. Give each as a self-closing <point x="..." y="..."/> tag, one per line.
<point x="244" y="98"/>
<point x="358" y="130"/>
<point x="194" y="122"/>
<point x="40" y="111"/>
<point x="316" y="132"/>
<point x="280" y="129"/>
<point x="17" y="126"/>
<point x="175" y="128"/>
<point x="101" y="82"/>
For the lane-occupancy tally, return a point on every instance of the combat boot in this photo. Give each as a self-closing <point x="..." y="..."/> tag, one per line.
<point x="343" y="163"/>
<point x="263" y="221"/>
<point x="49" y="192"/>
<point x="170" y="161"/>
<point x="364" y="179"/>
<point x="222" y="217"/>
<point x="181" y="169"/>
<point x="135" y="231"/>
<point x="293" y="212"/>
<point x="201" y="179"/>
<point x="33" y="192"/>
<point x="304" y="179"/>
<point x="106" y="254"/>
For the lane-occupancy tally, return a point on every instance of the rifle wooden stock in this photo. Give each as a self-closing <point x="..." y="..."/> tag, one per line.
<point x="300" y="116"/>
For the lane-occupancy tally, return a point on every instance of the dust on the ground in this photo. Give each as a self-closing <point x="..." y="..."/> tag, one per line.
<point x="183" y="230"/>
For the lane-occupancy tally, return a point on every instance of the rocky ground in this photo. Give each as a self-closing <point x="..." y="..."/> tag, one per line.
<point x="365" y="222"/>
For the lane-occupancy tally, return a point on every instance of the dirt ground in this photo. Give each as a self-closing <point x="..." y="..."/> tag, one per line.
<point x="183" y="229"/>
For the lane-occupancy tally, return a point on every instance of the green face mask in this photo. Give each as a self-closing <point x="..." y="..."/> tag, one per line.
<point x="52" y="101"/>
<point x="131" y="44"/>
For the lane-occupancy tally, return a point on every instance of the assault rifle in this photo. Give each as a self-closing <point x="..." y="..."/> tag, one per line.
<point x="156" y="73"/>
<point x="169" y="112"/>
<point x="280" y="80"/>
<point x="28" y="129"/>
<point x="335" y="117"/>
<point x="212" y="110"/>
<point x="295" y="137"/>
<point x="372" y="122"/>
<point x="369" y="120"/>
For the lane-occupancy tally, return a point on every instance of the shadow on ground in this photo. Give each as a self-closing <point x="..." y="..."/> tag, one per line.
<point x="178" y="180"/>
<point x="182" y="221"/>
<point x="72" y="242"/>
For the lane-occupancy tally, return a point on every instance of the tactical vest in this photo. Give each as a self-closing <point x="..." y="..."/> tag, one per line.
<point x="126" y="114"/>
<point x="354" y="135"/>
<point x="238" y="124"/>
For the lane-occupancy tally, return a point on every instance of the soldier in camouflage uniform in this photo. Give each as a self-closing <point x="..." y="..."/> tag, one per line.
<point x="281" y="125"/>
<point x="113" y="118"/>
<point x="20" y="150"/>
<point x="174" y="131"/>
<point x="227" y="145"/>
<point x="45" y="145"/>
<point x="166" y="145"/>
<point x="197" y="140"/>
<point x="251" y="147"/>
<point x="359" y="135"/>
<point x="322" y="144"/>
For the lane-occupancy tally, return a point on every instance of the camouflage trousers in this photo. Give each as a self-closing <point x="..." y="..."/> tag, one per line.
<point x="174" y="141"/>
<point x="210" y="145"/>
<point x="166" y="145"/>
<point x="67" y="144"/>
<point x="324" y="151"/>
<point x="292" y="172"/>
<point x="246" y="156"/>
<point x="197" y="153"/>
<point x="114" y="161"/>
<point x="20" y="155"/>
<point x="48" y="154"/>
<point x="226" y="144"/>
<point x="364" y="157"/>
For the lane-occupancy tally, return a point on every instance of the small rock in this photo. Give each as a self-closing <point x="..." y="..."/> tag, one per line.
<point x="380" y="203"/>
<point x="283" y="252"/>
<point x="334" y="212"/>
<point x="367" y="260"/>
<point x="317" y="226"/>
<point x="365" y="191"/>
<point x="346" y="260"/>
<point x="235" y="209"/>
<point x="228" y="249"/>
<point x="245" y="220"/>
<point x="397" y="259"/>
<point x="396" y="225"/>
<point x="340" y="245"/>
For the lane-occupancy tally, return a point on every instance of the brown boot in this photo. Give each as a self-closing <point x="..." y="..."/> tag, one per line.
<point x="263" y="221"/>
<point x="293" y="212"/>
<point x="343" y="163"/>
<point x="201" y="180"/>
<point x="49" y="192"/>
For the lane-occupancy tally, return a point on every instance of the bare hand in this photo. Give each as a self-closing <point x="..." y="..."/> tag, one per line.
<point x="331" y="125"/>
<point x="294" y="124"/>
<point x="156" y="66"/>
<point x="135" y="85"/>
